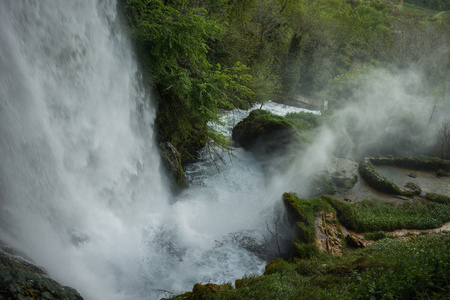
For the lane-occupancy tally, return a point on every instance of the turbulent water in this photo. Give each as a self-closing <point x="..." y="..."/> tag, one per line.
<point x="81" y="190"/>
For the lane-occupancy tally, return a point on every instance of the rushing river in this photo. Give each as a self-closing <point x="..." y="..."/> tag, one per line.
<point x="81" y="188"/>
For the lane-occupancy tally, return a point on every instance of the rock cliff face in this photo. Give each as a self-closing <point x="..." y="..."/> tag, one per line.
<point x="20" y="279"/>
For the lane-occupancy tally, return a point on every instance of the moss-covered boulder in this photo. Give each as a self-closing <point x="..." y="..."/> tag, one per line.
<point x="264" y="133"/>
<point x="19" y="279"/>
<point x="375" y="180"/>
<point x="438" y="198"/>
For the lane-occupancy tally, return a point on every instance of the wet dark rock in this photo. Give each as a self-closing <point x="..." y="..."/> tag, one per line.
<point x="172" y="161"/>
<point x="413" y="188"/>
<point x="354" y="241"/>
<point x="250" y="241"/>
<point x="20" y="279"/>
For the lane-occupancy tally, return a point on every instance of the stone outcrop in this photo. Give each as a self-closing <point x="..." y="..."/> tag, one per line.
<point x="329" y="236"/>
<point x="20" y="279"/>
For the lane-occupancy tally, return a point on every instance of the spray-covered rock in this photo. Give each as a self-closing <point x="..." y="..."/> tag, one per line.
<point x="20" y="279"/>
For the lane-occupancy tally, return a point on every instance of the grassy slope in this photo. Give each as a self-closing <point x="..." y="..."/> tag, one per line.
<point x="388" y="269"/>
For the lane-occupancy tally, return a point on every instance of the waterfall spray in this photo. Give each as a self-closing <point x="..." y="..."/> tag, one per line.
<point x="81" y="192"/>
<point x="79" y="168"/>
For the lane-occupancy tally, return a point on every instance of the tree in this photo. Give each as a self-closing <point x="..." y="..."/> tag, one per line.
<point x="172" y="41"/>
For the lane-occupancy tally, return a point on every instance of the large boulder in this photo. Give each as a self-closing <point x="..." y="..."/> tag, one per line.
<point x="264" y="133"/>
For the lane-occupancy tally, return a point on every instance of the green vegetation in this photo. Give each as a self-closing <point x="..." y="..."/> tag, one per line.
<point x="418" y="268"/>
<point x="373" y="215"/>
<point x="432" y="4"/>
<point x="417" y="163"/>
<point x="265" y="133"/>
<point x="303" y="214"/>
<point x="375" y="180"/>
<point x="172" y="43"/>
<point x="438" y="198"/>
<point x="200" y="57"/>
<point x="375" y="236"/>
<point x="388" y="269"/>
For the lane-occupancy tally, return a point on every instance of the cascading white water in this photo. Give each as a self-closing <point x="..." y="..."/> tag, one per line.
<point x="81" y="192"/>
<point x="79" y="169"/>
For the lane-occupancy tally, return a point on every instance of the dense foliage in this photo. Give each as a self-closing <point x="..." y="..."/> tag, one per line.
<point x="204" y="56"/>
<point x="172" y="43"/>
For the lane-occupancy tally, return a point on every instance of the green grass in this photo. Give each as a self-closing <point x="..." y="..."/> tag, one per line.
<point x="373" y="215"/>
<point x="438" y="198"/>
<point x="388" y="269"/>
<point x="375" y="236"/>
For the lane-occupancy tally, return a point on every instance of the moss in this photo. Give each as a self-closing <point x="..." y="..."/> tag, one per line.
<point x="278" y="265"/>
<point x="295" y="213"/>
<point x="375" y="180"/>
<point x="204" y="291"/>
<point x="438" y="198"/>
<point x="305" y="121"/>
<point x="375" y="236"/>
<point x="303" y="213"/>
<point x="305" y="232"/>
<point x="344" y="212"/>
<point x="304" y="251"/>
<point x="264" y="133"/>
<point x="409" y="162"/>
<point x="247" y="281"/>
<point x="380" y="183"/>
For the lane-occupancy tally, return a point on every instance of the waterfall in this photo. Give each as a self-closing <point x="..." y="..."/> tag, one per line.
<point x="81" y="190"/>
<point x="79" y="170"/>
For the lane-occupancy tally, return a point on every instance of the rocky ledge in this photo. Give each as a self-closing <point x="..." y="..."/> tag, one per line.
<point x="20" y="279"/>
